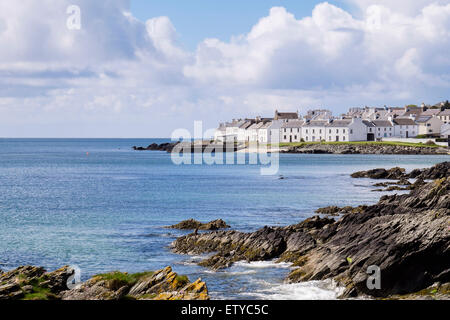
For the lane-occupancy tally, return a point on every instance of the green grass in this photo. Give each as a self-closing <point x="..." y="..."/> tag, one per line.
<point x="124" y="278"/>
<point x="183" y="280"/>
<point x="384" y="143"/>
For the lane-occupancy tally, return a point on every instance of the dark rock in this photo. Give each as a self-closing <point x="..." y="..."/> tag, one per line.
<point x="33" y="283"/>
<point x="407" y="236"/>
<point x="192" y="224"/>
<point x="391" y="174"/>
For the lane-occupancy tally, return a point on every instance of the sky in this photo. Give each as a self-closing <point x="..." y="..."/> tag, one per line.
<point x="140" y="68"/>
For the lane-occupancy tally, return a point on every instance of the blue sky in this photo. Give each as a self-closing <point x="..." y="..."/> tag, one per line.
<point x="196" y="20"/>
<point x="164" y="64"/>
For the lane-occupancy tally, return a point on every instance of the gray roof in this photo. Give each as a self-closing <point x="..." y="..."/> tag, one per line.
<point x="266" y="125"/>
<point x="423" y="119"/>
<point x="293" y="124"/>
<point x="340" y="123"/>
<point x="446" y="112"/>
<point x="404" y="122"/>
<point x="368" y="123"/>
<point x="316" y="123"/>
<point x="246" y="125"/>
<point x="382" y="123"/>
<point x="256" y="125"/>
<point x="430" y="112"/>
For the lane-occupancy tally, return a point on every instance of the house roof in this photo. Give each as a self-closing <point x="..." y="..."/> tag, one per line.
<point x="246" y="125"/>
<point x="340" y="123"/>
<point x="368" y="123"/>
<point x="404" y="122"/>
<point x="293" y="124"/>
<point x="431" y="112"/>
<point x="316" y="123"/>
<point x="286" y="115"/>
<point x="382" y="123"/>
<point x="266" y="125"/>
<point x="446" y="112"/>
<point x="423" y="119"/>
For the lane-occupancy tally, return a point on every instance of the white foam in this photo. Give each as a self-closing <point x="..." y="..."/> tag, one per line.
<point x="311" y="290"/>
<point x="263" y="264"/>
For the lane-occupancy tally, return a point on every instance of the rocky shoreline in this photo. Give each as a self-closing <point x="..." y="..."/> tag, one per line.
<point x="406" y="236"/>
<point x="35" y="283"/>
<point x="313" y="148"/>
<point x="365" y="148"/>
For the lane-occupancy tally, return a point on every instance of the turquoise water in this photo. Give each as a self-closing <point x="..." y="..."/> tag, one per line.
<point x="97" y="204"/>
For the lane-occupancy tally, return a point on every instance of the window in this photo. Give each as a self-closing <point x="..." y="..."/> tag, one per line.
<point x="285" y="137"/>
<point x="337" y="130"/>
<point x="343" y="138"/>
<point x="351" y="131"/>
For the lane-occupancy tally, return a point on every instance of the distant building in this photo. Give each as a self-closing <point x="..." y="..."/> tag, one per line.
<point x="429" y="125"/>
<point x="405" y="128"/>
<point x="291" y="131"/>
<point x="444" y="116"/>
<point x="383" y="129"/>
<point x="285" y="115"/>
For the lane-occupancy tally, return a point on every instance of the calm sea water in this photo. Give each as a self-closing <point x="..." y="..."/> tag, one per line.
<point x="101" y="206"/>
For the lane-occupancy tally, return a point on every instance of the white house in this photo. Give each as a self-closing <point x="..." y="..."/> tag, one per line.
<point x="445" y="131"/>
<point x="252" y="131"/>
<point x="291" y="131"/>
<point x="405" y="128"/>
<point x="444" y="116"/>
<point x="314" y="130"/>
<point x="383" y="129"/>
<point x="429" y="125"/>
<point x="345" y="130"/>
<point x="269" y="132"/>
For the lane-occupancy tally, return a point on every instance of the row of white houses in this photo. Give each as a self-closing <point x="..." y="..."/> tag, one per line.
<point x="287" y="127"/>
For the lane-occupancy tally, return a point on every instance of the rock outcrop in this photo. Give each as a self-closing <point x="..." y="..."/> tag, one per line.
<point x="192" y="224"/>
<point x="438" y="171"/>
<point x="406" y="236"/>
<point x="167" y="147"/>
<point x="364" y="148"/>
<point x="34" y="283"/>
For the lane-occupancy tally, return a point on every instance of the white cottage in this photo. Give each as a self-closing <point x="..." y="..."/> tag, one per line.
<point x="383" y="129"/>
<point x="291" y="131"/>
<point x="405" y="128"/>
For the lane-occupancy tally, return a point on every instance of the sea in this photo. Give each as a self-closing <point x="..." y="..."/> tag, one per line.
<point x="101" y="206"/>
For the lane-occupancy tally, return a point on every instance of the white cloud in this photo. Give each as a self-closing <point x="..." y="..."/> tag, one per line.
<point x="121" y="76"/>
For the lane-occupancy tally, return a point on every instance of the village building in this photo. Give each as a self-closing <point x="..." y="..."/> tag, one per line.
<point x="405" y="128"/>
<point x="314" y="130"/>
<point x="383" y="129"/>
<point x="291" y="131"/>
<point x="429" y="125"/>
<point x="444" y="116"/>
<point x="345" y="130"/>
<point x="445" y="131"/>
<point x="318" y="115"/>
<point x="269" y="132"/>
<point x="285" y="115"/>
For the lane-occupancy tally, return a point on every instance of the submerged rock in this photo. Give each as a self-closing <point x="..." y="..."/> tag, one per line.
<point x="407" y="236"/>
<point x="34" y="283"/>
<point x="391" y="174"/>
<point x="192" y="224"/>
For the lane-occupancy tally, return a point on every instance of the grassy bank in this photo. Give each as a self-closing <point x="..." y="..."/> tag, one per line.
<point x="364" y="143"/>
